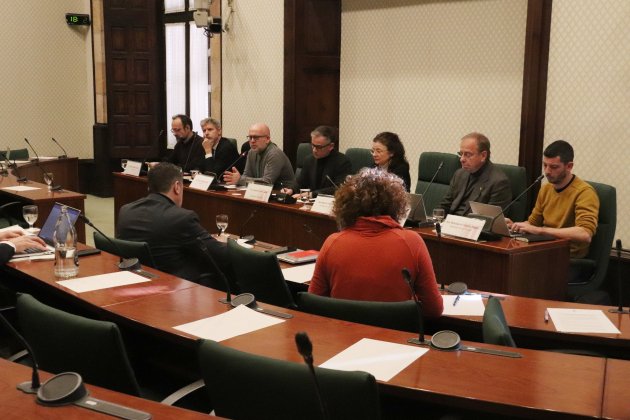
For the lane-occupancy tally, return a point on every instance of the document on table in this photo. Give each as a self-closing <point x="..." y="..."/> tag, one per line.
<point x="237" y="321"/>
<point x="102" y="281"/>
<point x="300" y="273"/>
<point x="471" y="305"/>
<point x="581" y="321"/>
<point x="20" y="188"/>
<point x="382" y="359"/>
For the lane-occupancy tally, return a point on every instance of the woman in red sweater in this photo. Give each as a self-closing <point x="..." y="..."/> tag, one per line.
<point x="364" y="260"/>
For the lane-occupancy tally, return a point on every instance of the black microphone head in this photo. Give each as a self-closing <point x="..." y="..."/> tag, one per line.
<point x="440" y="165"/>
<point x="304" y="345"/>
<point x="618" y="245"/>
<point x="160" y="134"/>
<point x="438" y="229"/>
<point x="406" y="275"/>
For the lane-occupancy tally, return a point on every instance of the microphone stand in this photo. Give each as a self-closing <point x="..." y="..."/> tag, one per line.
<point x="204" y="249"/>
<point x="438" y="231"/>
<point x="310" y="231"/>
<point x="33" y="149"/>
<point x="305" y="348"/>
<point x="14" y="166"/>
<point x="129" y="264"/>
<point x="433" y="178"/>
<point x="619" y="309"/>
<point x="32" y="386"/>
<point x="249" y="218"/>
<point x="420" y="340"/>
<point x="65" y="154"/>
<point x="46" y="176"/>
<point x="229" y="167"/>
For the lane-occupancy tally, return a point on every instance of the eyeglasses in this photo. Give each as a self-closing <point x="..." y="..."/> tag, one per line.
<point x="377" y="151"/>
<point x="466" y="155"/>
<point x="255" y="138"/>
<point x="320" y="147"/>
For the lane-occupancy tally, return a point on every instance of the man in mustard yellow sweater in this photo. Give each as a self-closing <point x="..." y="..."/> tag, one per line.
<point x="567" y="207"/>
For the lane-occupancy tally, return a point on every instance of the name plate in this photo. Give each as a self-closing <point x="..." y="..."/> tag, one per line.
<point x="462" y="227"/>
<point x="201" y="182"/>
<point x="323" y="204"/>
<point x="133" y="168"/>
<point x="258" y="192"/>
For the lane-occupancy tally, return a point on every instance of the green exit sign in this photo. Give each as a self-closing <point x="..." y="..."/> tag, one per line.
<point x="77" y="19"/>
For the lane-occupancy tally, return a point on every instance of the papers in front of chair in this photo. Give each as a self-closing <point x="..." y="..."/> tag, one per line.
<point x="300" y="273"/>
<point x="382" y="359"/>
<point x="470" y="305"/>
<point x="102" y="281"/>
<point x="238" y="321"/>
<point x="20" y="188"/>
<point x="582" y="321"/>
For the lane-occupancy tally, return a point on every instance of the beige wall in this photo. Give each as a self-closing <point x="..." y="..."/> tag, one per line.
<point x="588" y="95"/>
<point x="46" y="78"/>
<point x="432" y="71"/>
<point x="253" y="65"/>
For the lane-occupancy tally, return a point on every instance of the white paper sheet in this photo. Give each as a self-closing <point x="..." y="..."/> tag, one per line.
<point x="323" y="204"/>
<point x="133" y="168"/>
<point x="382" y="359"/>
<point x="581" y="321"/>
<point x="466" y="305"/>
<point x="202" y="182"/>
<point x="102" y="281"/>
<point x="20" y="188"/>
<point x="300" y="273"/>
<point x="462" y="227"/>
<point x="237" y="321"/>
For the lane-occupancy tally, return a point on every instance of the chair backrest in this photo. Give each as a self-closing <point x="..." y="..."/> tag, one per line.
<point x="303" y="150"/>
<point x="428" y="163"/>
<point x="259" y="273"/>
<point x="65" y="342"/>
<point x="518" y="183"/>
<point x="129" y="249"/>
<point x="495" y="327"/>
<point x="17" y="154"/>
<point x="394" y="315"/>
<point x="601" y="243"/>
<point x="11" y="214"/>
<point x="233" y="141"/>
<point x="247" y="386"/>
<point x="359" y="158"/>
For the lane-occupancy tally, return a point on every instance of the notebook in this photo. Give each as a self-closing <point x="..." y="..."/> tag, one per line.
<point x="48" y="230"/>
<point x="499" y="224"/>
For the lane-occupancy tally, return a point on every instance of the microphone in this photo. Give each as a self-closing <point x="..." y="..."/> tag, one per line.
<point x="249" y="218"/>
<point x="149" y="152"/>
<point x="14" y="166"/>
<point x="229" y="167"/>
<point x="619" y="309"/>
<point x="332" y="182"/>
<point x="65" y="154"/>
<point x="438" y="231"/>
<point x="407" y="278"/>
<point x="192" y="146"/>
<point x="433" y="178"/>
<point x="33" y="149"/>
<point x="46" y="176"/>
<point x="125" y="263"/>
<point x="305" y="348"/>
<point x="310" y="231"/>
<point x="204" y="249"/>
<point x="26" y="387"/>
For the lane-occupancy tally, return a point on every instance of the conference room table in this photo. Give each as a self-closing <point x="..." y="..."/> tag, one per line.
<point x="15" y="404"/>
<point x="538" y="385"/>
<point x="38" y="193"/>
<point x="505" y="266"/>
<point x="65" y="171"/>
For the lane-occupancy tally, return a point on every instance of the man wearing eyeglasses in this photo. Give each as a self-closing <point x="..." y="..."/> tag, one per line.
<point x="266" y="162"/>
<point x="477" y="180"/>
<point x="188" y="152"/>
<point x="325" y="167"/>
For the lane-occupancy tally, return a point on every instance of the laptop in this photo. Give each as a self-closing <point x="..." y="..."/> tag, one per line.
<point x="48" y="230"/>
<point x="494" y="214"/>
<point x="417" y="213"/>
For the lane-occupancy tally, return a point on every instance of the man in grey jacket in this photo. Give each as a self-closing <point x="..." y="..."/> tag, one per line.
<point x="265" y="162"/>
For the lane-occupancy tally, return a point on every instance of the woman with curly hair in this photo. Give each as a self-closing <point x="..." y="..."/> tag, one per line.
<point x="364" y="260"/>
<point x="388" y="153"/>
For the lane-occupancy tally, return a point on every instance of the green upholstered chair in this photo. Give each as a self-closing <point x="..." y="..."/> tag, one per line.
<point x="518" y="183"/>
<point x="303" y="150"/>
<point x="394" y="315"/>
<point x="233" y="141"/>
<point x="11" y="214"/>
<point x="359" y="158"/>
<point x="17" y="154"/>
<point x="428" y="163"/>
<point x="129" y="249"/>
<point x="593" y="267"/>
<point x="495" y="327"/>
<point x="65" y="342"/>
<point x="259" y="273"/>
<point x="246" y="386"/>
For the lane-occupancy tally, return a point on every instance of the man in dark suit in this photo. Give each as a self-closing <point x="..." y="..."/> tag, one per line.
<point x="170" y="230"/>
<point x="325" y="162"/>
<point x="477" y="180"/>
<point x="188" y="152"/>
<point x="13" y="242"/>
<point x="220" y="152"/>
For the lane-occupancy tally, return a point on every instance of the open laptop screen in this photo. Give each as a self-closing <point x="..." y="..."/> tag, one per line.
<point x="48" y="230"/>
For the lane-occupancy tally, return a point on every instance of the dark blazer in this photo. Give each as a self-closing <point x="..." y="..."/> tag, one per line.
<point x="224" y="155"/>
<point x="169" y="230"/>
<point x="188" y="153"/>
<point x="6" y="252"/>
<point x="336" y="166"/>
<point x="491" y="187"/>
<point x="401" y="170"/>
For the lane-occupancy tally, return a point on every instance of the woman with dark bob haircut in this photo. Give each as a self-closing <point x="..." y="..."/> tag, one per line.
<point x="388" y="153"/>
<point x="364" y="260"/>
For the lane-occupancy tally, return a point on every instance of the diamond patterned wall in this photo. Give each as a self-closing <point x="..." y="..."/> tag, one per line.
<point x="46" y="85"/>
<point x="432" y="71"/>
<point x="253" y="68"/>
<point x="588" y="94"/>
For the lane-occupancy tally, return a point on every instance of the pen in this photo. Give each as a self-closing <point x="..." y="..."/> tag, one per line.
<point x="456" y="300"/>
<point x="546" y="315"/>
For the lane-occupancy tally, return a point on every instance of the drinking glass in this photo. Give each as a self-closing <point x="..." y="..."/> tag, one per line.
<point x="30" y="215"/>
<point x="123" y="163"/>
<point x="305" y="196"/>
<point x="438" y="215"/>
<point x="222" y="223"/>
<point x="193" y="173"/>
<point x="48" y="179"/>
